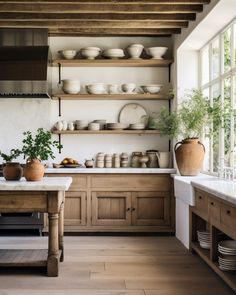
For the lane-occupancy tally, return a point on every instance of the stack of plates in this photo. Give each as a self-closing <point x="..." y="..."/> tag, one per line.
<point x="204" y="239"/>
<point x="116" y="126"/>
<point x="227" y="261"/>
<point x="137" y="126"/>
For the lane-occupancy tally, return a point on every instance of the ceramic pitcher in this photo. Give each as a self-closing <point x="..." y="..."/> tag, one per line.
<point x="163" y="159"/>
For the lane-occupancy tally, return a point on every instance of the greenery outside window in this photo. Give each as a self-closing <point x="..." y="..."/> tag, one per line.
<point x="218" y="82"/>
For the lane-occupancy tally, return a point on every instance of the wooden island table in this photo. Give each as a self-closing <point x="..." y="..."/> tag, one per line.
<point x="45" y="196"/>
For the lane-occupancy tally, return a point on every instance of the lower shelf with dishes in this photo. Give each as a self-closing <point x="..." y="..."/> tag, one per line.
<point x="211" y="239"/>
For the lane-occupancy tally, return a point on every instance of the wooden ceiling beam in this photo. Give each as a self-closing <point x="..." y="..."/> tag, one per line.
<point x="98" y="16"/>
<point x="99" y="8"/>
<point x="113" y="1"/>
<point x="93" y="24"/>
<point x="113" y="32"/>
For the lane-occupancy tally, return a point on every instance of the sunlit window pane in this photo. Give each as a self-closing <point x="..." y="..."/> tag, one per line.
<point x="227" y="51"/>
<point x="227" y="99"/>
<point x="215" y="59"/>
<point x="205" y="65"/>
<point x="215" y="137"/>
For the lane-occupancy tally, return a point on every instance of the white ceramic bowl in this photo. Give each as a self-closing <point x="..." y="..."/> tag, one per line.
<point x="156" y="52"/>
<point x="90" y="52"/>
<point x="113" y="53"/>
<point x="93" y="126"/>
<point x="96" y="88"/>
<point x="152" y="88"/>
<point x="68" y="54"/>
<point x="71" y="86"/>
<point x="128" y="87"/>
<point x="135" y="50"/>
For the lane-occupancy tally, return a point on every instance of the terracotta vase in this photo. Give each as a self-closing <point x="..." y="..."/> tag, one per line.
<point x="33" y="170"/>
<point x="12" y="171"/>
<point x="189" y="155"/>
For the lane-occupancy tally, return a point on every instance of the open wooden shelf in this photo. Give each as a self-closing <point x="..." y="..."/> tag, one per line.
<point x="228" y="277"/>
<point x="125" y="132"/>
<point x="121" y="96"/>
<point x="112" y="62"/>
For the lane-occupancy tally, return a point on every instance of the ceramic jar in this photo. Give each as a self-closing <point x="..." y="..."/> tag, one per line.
<point x="135" y="159"/>
<point x="100" y="160"/>
<point x="116" y="161"/>
<point x="143" y="160"/>
<point x="153" y="160"/>
<point x="89" y="163"/>
<point x="71" y="126"/>
<point x="12" y="171"/>
<point x="124" y="163"/>
<point x="108" y="161"/>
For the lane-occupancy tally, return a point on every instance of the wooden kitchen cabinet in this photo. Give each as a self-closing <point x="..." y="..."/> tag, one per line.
<point x="119" y="203"/>
<point x="111" y="208"/>
<point x="75" y="209"/>
<point x="150" y="208"/>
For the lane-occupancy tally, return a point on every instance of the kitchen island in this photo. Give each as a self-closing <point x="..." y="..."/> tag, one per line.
<point x="45" y="196"/>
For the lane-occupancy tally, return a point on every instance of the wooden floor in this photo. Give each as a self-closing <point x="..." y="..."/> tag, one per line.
<point x="114" y="266"/>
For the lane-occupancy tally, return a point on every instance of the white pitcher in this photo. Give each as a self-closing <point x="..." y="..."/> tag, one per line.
<point x="163" y="159"/>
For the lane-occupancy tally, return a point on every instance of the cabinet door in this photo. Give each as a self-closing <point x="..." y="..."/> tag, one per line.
<point x="111" y="208"/>
<point x="75" y="208"/>
<point x="150" y="208"/>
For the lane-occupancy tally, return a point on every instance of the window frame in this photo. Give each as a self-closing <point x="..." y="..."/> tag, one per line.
<point x="231" y="73"/>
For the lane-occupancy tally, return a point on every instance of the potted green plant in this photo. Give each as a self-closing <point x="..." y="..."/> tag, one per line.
<point x="194" y="114"/>
<point x="11" y="170"/>
<point x="36" y="149"/>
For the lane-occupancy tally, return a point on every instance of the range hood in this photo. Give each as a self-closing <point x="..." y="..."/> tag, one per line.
<point x="24" y="63"/>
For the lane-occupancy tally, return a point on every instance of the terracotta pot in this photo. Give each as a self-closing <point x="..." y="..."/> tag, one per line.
<point x="33" y="170"/>
<point x="189" y="155"/>
<point x="12" y="171"/>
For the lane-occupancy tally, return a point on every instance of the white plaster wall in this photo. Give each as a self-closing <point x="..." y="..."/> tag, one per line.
<point x="18" y="115"/>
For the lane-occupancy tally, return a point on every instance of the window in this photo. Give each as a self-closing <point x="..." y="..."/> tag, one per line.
<point x="218" y="82"/>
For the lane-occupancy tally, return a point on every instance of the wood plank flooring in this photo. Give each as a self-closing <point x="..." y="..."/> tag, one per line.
<point x="114" y="266"/>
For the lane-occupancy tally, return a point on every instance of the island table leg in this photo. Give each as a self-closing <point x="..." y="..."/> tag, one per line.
<point x="61" y="231"/>
<point x="53" y="246"/>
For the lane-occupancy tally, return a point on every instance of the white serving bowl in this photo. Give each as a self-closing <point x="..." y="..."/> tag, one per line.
<point x="152" y="88"/>
<point x="71" y="86"/>
<point x="156" y="52"/>
<point x="96" y="88"/>
<point x="128" y="87"/>
<point x="68" y="54"/>
<point x="90" y="52"/>
<point x="93" y="126"/>
<point x="135" y="50"/>
<point x="113" y="53"/>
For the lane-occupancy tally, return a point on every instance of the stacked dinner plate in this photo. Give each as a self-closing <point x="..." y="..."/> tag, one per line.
<point x="227" y="257"/>
<point x="204" y="239"/>
<point x="137" y="126"/>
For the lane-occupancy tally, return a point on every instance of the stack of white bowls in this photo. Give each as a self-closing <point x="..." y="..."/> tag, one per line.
<point x="108" y="160"/>
<point x="124" y="160"/>
<point x="100" y="160"/>
<point x="227" y="257"/>
<point x="204" y="239"/>
<point x="116" y="126"/>
<point x="137" y="126"/>
<point x="102" y="123"/>
<point x="93" y="126"/>
<point x="81" y="124"/>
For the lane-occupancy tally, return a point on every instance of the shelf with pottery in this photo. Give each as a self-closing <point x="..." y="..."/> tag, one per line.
<point x="122" y="132"/>
<point x="119" y="96"/>
<point x="112" y="62"/>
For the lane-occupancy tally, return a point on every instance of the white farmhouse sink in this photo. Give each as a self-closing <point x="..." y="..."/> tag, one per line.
<point x="184" y="195"/>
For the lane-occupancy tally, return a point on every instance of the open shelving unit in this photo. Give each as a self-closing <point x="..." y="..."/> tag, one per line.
<point x="124" y="132"/>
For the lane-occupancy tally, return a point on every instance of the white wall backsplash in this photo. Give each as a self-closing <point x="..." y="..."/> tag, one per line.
<point x="18" y="115"/>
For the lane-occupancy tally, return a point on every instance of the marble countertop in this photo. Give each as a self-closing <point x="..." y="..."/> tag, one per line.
<point x="111" y="170"/>
<point x="46" y="184"/>
<point x="224" y="189"/>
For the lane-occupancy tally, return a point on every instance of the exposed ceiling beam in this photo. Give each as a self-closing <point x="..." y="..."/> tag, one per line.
<point x="99" y="16"/>
<point x="94" y="24"/>
<point x="98" y="7"/>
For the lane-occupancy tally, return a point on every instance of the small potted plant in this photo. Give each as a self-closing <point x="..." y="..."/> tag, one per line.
<point x="11" y="170"/>
<point x="36" y="149"/>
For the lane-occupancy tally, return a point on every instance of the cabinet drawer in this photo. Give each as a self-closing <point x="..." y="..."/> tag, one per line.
<point x="214" y="209"/>
<point x="228" y="216"/>
<point x="79" y="182"/>
<point x="132" y="182"/>
<point x="201" y="201"/>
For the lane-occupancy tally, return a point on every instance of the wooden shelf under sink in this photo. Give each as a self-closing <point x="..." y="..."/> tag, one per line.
<point x="120" y="96"/>
<point x="112" y="62"/>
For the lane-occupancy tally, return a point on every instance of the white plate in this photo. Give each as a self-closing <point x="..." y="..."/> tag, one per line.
<point x="228" y="245"/>
<point x="132" y="113"/>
